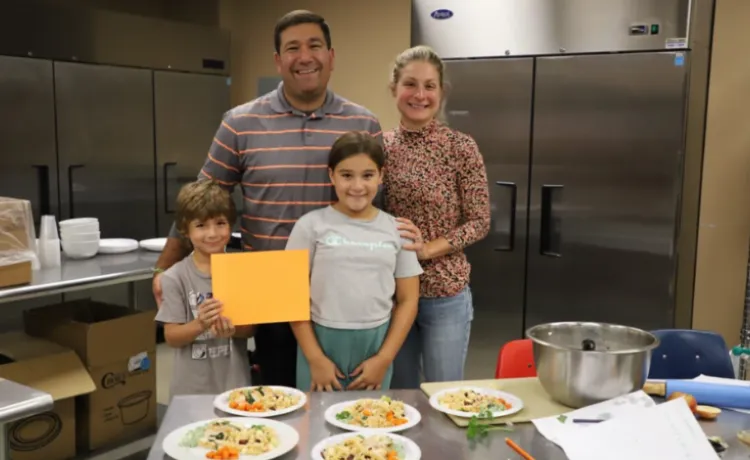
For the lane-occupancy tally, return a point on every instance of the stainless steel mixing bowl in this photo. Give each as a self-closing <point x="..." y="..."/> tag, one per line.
<point x="580" y="364"/>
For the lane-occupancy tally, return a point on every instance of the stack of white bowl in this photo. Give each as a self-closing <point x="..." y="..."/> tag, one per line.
<point x="80" y="237"/>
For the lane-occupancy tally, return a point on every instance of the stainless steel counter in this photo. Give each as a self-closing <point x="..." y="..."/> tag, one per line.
<point x="75" y="275"/>
<point x="436" y="435"/>
<point x="18" y="402"/>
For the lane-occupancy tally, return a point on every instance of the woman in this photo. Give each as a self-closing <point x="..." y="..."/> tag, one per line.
<point x="435" y="178"/>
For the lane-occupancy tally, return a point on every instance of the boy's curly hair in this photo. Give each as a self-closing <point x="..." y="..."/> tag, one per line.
<point x="203" y="199"/>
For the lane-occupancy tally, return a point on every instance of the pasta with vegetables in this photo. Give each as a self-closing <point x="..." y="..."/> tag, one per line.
<point x="222" y="435"/>
<point x="374" y="413"/>
<point x="473" y="402"/>
<point x="261" y="399"/>
<point x="376" y="447"/>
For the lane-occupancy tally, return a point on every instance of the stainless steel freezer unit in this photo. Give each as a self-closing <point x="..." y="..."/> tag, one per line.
<point x="605" y="161"/>
<point x="28" y="153"/>
<point x="188" y="109"/>
<point x="105" y="123"/>
<point x="579" y="112"/>
<point x="500" y="122"/>
<point x="89" y="129"/>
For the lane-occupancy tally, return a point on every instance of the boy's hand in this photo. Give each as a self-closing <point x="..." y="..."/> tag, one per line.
<point x="371" y="374"/>
<point x="209" y="312"/>
<point x="223" y="328"/>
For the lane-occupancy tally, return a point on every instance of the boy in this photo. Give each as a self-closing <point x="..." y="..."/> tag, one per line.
<point x="210" y="353"/>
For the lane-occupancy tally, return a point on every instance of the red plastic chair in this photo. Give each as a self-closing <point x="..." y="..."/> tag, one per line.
<point x="516" y="360"/>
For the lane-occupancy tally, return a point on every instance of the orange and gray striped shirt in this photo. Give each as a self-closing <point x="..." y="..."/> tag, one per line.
<point x="278" y="155"/>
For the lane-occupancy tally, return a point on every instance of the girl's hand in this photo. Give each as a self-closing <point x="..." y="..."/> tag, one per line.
<point x="209" y="312"/>
<point x="324" y="375"/>
<point x="223" y="328"/>
<point x="371" y="374"/>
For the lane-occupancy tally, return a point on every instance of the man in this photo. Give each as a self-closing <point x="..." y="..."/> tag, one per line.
<point x="276" y="148"/>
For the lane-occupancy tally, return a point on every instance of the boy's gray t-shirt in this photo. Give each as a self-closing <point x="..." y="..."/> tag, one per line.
<point x="353" y="266"/>
<point x="209" y="365"/>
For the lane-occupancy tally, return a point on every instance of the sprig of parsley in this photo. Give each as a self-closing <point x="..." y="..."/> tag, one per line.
<point x="345" y="415"/>
<point x="479" y="425"/>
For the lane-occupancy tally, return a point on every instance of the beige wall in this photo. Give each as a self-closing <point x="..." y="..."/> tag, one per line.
<point x="724" y="226"/>
<point x="366" y="39"/>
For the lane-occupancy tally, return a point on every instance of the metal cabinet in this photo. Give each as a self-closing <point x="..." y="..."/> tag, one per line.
<point x="606" y="162"/>
<point x="188" y="110"/>
<point x="105" y="125"/>
<point x="28" y="155"/>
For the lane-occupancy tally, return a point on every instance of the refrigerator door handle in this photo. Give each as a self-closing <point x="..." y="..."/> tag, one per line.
<point x="71" y="207"/>
<point x="550" y="232"/>
<point x="165" y="169"/>
<point x="44" y="189"/>
<point x="512" y="217"/>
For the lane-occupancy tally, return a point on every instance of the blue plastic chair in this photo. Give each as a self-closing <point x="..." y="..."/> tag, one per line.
<point x="687" y="353"/>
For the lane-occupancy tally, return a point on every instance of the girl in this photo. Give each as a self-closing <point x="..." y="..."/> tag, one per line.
<point x="437" y="181"/>
<point x="357" y="264"/>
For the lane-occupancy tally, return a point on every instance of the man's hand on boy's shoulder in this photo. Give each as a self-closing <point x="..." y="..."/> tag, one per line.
<point x="156" y="286"/>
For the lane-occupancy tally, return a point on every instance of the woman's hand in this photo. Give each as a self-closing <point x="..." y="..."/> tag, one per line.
<point x="371" y="374"/>
<point x="410" y="231"/>
<point x="324" y="375"/>
<point x="223" y="328"/>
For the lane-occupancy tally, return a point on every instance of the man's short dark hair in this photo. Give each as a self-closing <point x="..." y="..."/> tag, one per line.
<point x="295" y="18"/>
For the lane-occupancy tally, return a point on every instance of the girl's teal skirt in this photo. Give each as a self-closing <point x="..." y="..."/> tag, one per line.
<point x="347" y="348"/>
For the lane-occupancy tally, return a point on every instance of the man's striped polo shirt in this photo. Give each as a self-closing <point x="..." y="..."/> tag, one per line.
<point x="279" y="156"/>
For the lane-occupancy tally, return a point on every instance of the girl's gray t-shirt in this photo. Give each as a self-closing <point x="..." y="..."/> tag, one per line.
<point x="353" y="266"/>
<point x="209" y="365"/>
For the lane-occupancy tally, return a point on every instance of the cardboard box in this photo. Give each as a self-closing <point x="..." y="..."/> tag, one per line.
<point x="16" y="241"/>
<point x="118" y="347"/>
<point x="48" y="367"/>
<point x="15" y="274"/>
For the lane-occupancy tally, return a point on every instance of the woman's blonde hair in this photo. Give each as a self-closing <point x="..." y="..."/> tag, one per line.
<point x="422" y="53"/>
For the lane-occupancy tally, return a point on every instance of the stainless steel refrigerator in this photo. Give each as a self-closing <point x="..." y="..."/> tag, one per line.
<point x="106" y="132"/>
<point x="579" y="112"/>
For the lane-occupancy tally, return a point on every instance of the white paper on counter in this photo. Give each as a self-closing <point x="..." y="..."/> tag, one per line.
<point x="665" y="431"/>
<point x="723" y="381"/>
<point x="553" y="427"/>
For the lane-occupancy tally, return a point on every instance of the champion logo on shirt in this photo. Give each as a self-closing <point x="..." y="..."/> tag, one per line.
<point x="336" y="240"/>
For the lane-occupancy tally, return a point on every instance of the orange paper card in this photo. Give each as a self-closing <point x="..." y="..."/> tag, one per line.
<point x="262" y="287"/>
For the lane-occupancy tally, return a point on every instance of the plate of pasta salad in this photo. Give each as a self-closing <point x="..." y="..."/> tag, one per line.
<point x="474" y="401"/>
<point x="366" y="445"/>
<point x="260" y="401"/>
<point x="236" y="438"/>
<point x="383" y="415"/>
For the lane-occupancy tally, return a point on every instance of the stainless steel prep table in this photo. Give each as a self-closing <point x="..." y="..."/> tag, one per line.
<point x="81" y="274"/>
<point x="436" y="435"/>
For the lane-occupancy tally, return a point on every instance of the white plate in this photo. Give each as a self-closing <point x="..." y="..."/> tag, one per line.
<point x="221" y="402"/>
<point x="411" y="413"/>
<point x="411" y="449"/>
<point x="79" y="221"/>
<point x="153" y="244"/>
<point x="515" y="401"/>
<point x="117" y="245"/>
<point x="288" y="439"/>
